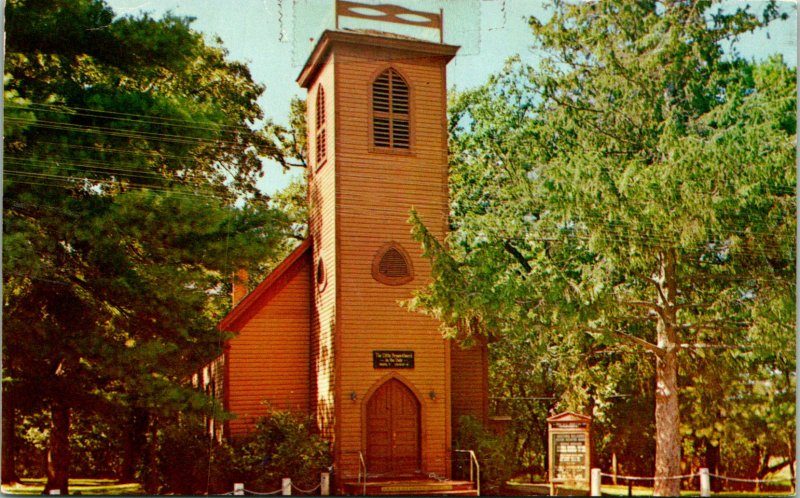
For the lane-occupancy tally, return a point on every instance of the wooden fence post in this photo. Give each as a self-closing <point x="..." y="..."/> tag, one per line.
<point x="238" y="488"/>
<point x="595" y="482"/>
<point x="286" y="486"/>
<point x="705" y="483"/>
<point x="325" y="484"/>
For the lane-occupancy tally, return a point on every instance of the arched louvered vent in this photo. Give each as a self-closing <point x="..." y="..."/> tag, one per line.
<point x="390" y="111"/>
<point x="392" y="265"/>
<point x="320" y="127"/>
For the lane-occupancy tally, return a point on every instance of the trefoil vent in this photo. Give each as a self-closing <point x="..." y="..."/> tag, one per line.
<point x="391" y="265"/>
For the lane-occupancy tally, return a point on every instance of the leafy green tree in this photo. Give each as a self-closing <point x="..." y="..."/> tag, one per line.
<point x="635" y="194"/>
<point x="128" y="143"/>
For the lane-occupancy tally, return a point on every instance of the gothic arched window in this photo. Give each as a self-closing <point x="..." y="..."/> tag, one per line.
<point x="320" y="127"/>
<point x="390" y="111"/>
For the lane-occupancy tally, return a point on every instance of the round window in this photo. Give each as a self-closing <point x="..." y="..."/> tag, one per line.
<point x="320" y="275"/>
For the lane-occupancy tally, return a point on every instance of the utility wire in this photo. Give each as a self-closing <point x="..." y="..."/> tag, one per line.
<point x="131" y="117"/>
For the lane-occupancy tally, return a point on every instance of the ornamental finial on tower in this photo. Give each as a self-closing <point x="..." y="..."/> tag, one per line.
<point x="391" y="13"/>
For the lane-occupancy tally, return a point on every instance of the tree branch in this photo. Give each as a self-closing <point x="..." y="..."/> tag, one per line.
<point x="639" y="342"/>
<point x="631" y="339"/>
<point x="644" y="304"/>
<point x="712" y="346"/>
<point x="712" y="325"/>
<point x="517" y="255"/>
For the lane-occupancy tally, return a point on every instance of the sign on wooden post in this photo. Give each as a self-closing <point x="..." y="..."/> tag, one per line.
<point x="569" y="447"/>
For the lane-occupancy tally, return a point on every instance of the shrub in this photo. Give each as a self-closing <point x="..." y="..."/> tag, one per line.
<point x="183" y="459"/>
<point x="282" y="445"/>
<point x="495" y="454"/>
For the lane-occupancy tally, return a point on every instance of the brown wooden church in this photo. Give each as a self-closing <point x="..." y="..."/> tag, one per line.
<point x="325" y="333"/>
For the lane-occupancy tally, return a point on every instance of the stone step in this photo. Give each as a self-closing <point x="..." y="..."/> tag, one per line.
<point x="412" y="487"/>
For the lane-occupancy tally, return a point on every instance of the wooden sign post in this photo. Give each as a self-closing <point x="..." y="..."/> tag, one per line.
<point x="569" y="448"/>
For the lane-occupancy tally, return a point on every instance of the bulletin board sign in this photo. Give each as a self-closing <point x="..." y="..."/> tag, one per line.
<point x="569" y="447"/>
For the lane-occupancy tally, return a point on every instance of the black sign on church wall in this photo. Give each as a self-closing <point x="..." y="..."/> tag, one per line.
<point x="392" y="359"/>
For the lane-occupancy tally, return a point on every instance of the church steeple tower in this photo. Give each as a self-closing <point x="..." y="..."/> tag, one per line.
<point x="377" y="109"/>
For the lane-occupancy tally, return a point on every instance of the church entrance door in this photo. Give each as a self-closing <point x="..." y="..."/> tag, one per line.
<point x="393" y="430"/>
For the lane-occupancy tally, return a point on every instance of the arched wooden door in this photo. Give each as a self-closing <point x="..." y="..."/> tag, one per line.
<point x="393" y="430"/>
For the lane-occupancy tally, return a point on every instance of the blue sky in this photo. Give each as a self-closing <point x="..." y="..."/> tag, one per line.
<point x="275" y="36"/>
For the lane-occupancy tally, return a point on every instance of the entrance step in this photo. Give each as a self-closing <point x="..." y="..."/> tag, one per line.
<point x="412" y="487"/>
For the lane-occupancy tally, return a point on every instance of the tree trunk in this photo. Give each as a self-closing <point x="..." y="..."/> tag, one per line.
<point x="614" y="465"/>
<point x="58" y="450"/>
<point x="792" y="461"/>
<point x="151" y="484"/>
<point x="9" y="442"/>
<point x="135" y="440"/>
<point x="712" y="464"/>
<point x="668" y="436"/>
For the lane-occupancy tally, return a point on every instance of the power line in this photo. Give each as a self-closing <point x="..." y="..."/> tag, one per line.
<point x="132" y="117"/>
<point x="114" y="132"/>
<point x="73" y="182"/>
<point x="97" y="166"/>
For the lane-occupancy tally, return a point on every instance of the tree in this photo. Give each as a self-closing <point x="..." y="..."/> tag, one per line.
<point x="633" y="195"/>
<point x="128" y="143"/>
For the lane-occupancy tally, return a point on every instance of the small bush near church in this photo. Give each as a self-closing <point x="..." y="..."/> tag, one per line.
<point x="184" y="468"/>
<point x="494" y="454"/>
<point x="282" y="445"/>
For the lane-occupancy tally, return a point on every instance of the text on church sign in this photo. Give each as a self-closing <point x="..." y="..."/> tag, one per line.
<point x="393" y="359"/>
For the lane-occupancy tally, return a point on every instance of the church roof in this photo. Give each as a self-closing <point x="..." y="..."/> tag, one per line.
<point x="569" y="417"/>
<point x="370" y="38"/>
<point x="267" y="289"/>
<point x="376" y="32"/>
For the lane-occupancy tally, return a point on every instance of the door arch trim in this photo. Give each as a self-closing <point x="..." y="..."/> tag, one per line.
<point x="423" y="437"/>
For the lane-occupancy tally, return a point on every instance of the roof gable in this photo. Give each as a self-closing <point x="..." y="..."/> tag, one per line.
<point x="569" y="417"/>
<point x="267" y="289"/>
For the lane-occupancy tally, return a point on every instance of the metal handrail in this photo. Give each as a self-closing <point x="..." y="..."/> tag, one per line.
<point x="473" y="460"/>
<point x="362" y="464"/>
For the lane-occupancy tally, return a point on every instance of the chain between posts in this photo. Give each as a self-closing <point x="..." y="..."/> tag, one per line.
<point x="637" y="478"/>
<point x="306" y="491"/>
<point x="754" y="481"/>
<point x="736" y="479"/>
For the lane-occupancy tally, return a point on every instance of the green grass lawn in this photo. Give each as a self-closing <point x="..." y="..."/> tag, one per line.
<point x="610" y="490"/>
<point x="107" y="487"/>
<point x="541" y="489"/>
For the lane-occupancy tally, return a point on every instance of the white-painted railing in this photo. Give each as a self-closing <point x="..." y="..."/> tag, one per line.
<point x="473" y="463"/>
<point x="362" y="464"/>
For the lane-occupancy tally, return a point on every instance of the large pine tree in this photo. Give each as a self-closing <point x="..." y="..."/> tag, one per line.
<point x="129" y="142"/>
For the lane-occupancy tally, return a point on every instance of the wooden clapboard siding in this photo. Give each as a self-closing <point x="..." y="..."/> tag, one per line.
<point x="322" y="229"/>
<point x="470" y="385"/>
<point x="376" y="191"/>
<point x="210" y="379"/>
<point x="268" y="360"/>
